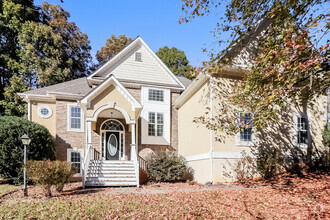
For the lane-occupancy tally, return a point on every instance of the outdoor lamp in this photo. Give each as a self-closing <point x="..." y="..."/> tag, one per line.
<point x="26" y="141"/>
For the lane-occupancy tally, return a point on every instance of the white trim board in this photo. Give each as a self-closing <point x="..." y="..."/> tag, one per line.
<point x="217" y="155"/>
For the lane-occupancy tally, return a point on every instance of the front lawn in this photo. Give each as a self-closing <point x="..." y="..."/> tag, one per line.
<point x="6" y="188"/>
<point x="283" y="198"/>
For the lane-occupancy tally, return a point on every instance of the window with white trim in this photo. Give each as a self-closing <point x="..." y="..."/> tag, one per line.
<point x="156" y="124"/>
<point x="75" y="118"/>
<point x="156" y="95"/>
<point x="44" y="111"/>
<point x="245" y="124"/>
<point x="75" y="157"/>
<point x="302" y="129"/>
<point x="138" y="56"/>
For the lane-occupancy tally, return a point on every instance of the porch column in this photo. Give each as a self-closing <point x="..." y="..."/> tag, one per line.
<point x="133" y="144"/>
<point x="88" y="135"/>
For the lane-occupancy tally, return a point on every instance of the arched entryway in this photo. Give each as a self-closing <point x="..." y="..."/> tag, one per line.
<point x="112" y="133"/>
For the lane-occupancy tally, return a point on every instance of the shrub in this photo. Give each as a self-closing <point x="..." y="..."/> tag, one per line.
<point x="166" y="167"/>
<point x="50" y="173"/>
<point x="11" y="147"/>
<point x="245" y="168"/>
<point x="268" y="162"/>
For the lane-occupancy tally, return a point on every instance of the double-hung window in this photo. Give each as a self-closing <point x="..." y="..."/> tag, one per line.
<point x="245" y="126"/>
<point x="75" y="118"/>
<point x="302" y="130"/>
<point x="75" y="157"/>
<point x="156" y="124"/>
<point x="156" y="95"/>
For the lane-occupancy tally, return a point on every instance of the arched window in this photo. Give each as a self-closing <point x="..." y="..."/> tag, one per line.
<point x="112" y="125"/>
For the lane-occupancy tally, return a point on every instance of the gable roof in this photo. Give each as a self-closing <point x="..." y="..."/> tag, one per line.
<point x="153" y="72"/>
<point x="104" y="85"/>
<point x="77" y="86"/>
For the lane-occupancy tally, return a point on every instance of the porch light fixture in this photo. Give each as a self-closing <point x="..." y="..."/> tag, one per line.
<point x="26" y="141"/>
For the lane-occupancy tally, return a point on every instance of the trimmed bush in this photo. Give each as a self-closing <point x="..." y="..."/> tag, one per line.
<point x="12" y="150"/>
<point x="50" y="173"/>
<point x="166" y="166"/>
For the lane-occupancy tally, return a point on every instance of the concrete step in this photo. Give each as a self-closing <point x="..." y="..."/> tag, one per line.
<point x="98" y="183"/>
<point x="111" y="162"/>
<point x="112" y="172"/>
<point x="111" y="179"/>
<point x="124" y="176"/>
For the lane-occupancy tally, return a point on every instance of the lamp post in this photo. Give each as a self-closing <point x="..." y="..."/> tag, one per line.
<point x="26" y="141"/>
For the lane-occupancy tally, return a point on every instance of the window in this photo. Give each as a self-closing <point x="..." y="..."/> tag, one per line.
<point x="156" y="95"/>
<point x="76" y="160"/>
<point x="245" y="126"/>
<point x="44" y="111"/>
<point x="75" y="157"/>
<point x="138" y="56"/>
<point x="302" y="129"/>
<point x="156" y="127"/>
<point x="75" y="118"/>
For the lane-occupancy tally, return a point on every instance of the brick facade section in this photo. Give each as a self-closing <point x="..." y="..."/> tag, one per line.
<point x="66" y="139"/>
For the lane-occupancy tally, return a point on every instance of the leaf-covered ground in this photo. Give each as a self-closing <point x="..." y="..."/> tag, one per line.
<point x="286" y="197"/>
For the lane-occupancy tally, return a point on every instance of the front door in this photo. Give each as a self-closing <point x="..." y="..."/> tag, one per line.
<point x="112" y="145"/>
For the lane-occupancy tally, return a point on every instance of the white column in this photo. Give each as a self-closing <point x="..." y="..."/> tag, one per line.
<point x="89" y="132"/>
<point x="133" y="149"/>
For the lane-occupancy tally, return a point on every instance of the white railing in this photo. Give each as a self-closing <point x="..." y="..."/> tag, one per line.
<point x="87" y="160"/>
<point x="136" y="163"/>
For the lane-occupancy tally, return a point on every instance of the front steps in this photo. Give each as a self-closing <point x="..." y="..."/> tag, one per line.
<point x="111" y="173"/>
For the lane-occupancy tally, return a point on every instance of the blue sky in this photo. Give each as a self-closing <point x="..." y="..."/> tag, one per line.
<point x="156" y="21"/>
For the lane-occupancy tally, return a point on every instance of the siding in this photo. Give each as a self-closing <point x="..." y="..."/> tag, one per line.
<point x="147" y="70"/>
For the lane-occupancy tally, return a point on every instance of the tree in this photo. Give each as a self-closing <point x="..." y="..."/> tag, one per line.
<point x="11" y="147"/>
<point x="12" y="13"/>
<point x="290" y="64"/>
<point x="75" y="46"/>
<point x="40" y="45"/>
<point x="12" y="103"/>
<point x="112" y="46"/>
<point x="176" y="61"/>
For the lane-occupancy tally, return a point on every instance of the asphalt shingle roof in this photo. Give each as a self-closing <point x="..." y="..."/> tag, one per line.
<point x="77" y="86"/>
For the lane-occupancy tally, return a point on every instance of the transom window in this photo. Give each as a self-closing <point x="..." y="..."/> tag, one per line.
<point x="138" y="56"/>
<point x="76" y="160"/>
<point x="156" y="125"/>
<point x="245" y="126"/>
<point x="112" y="125"/>
<point x="302" y="129"/>
<point x="75" y="117"/>
<point x="156" y="95"/>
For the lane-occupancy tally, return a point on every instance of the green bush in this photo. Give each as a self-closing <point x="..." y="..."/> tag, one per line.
<point x="166" y="167"/>
<point x="11" y="147"/>
<point x="50" y="173"/>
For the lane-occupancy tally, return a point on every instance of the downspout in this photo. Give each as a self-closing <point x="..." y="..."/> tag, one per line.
<point x="211" y="131"/>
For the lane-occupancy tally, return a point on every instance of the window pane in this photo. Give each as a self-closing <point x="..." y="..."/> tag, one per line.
<point x="151" y="130"/>
<point x="75" y="157"/>
<point x="160" y="118"/>
<point x="44" y="111"/>
<point x="75" y="112"/>
<point x="245" y="126"/>
<point x="156" y="95"/>
<point x="160" y="130"/>
<point x="75" y="123"/>
<point x="302" y="137"/>
<point x="151" y="117"/>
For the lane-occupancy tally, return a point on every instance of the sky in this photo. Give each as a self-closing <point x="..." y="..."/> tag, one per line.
<point x="156" y="21"/>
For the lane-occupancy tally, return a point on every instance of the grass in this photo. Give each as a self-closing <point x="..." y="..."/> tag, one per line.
<point x="6" y="188"/>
